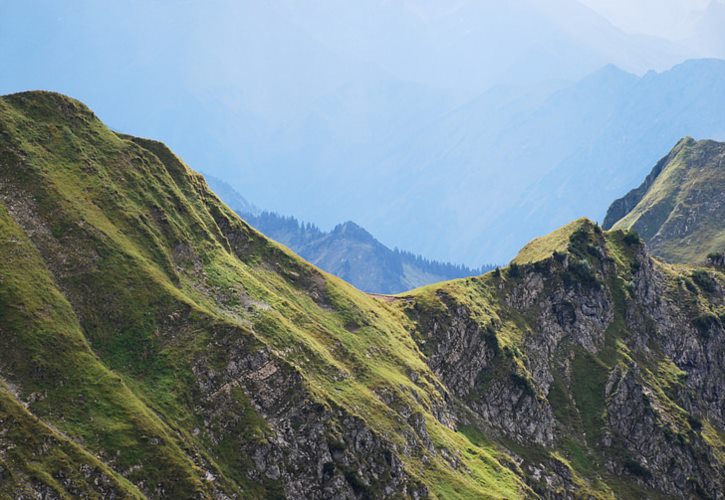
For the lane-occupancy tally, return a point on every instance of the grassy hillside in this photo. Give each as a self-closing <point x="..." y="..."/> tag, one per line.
<point x="152" y="344"/>
<point x="680" y="208"/>
<point x="131" y="293"/>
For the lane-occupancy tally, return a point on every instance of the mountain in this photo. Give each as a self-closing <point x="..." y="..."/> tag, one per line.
<point x="231" y="197"/>
<point x="348" y="251"/>
<point x="353" y="254"/>
<point x="493" y="173"/>
<point x="152" y="344"/>
<point x="679" y="209"/>
<point x="703" y="31"/>
<point x="338" y="94"/>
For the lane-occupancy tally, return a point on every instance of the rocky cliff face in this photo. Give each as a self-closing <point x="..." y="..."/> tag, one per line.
<point x="154" y="345"/>
<point x="599" y="352"/>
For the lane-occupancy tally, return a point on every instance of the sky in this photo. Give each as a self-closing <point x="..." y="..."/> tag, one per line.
<point x="663" y="18"/>
<point x="307" y="107"/>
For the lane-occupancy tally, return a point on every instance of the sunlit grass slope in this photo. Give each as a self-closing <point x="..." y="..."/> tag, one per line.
<point x="123" y="274"/>
<point x="680" y="209"/>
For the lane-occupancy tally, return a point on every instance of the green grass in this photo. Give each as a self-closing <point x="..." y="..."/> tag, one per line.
<point x="151" y="283"/>
<point x="690" y="183"/>
<point x="544" y="247"/>
<point x="124" y="276"/>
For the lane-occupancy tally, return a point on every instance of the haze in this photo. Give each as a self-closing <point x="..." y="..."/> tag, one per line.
<point x="426" y="122"/>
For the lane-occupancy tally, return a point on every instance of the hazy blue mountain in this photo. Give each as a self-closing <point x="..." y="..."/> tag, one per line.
<point x="469" y="44"/>
<point x="494" y="175"/>
<point x="423" y="121"/>
<point x="347" y="251"/>
<point x="353" y="254"/>
<point x="231" y="197"/>
<point x="489" y="174"/>
<point x="703" y="30"/>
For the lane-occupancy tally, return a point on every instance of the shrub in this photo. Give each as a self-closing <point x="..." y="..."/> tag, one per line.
<point x="690" y="285"/>
<point x="705" y="323"/>
<point x="542" y="266"/>
<point x="580" y="271"/>
<point x="636" y="469"/>
<point x="522" y="382"/>
<point x="632" y="238"/>
<point x="704" y="280"/>
<point x="716" y="259"/>
<point x="578" y="241"/>
<point x="695" y="423"/>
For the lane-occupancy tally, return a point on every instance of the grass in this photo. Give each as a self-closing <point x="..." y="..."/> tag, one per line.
<point x="689" y="184"/>
<point x="149" y="282"/>
<point x="544" y="247"/>
<point x="125" y="277"/>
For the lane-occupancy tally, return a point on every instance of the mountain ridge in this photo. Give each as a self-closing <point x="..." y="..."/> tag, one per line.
<point x="557" y="159"/>
<point x="678" y="209"/>
<point x="184" y="354"/>
<point x="348" y="251"/>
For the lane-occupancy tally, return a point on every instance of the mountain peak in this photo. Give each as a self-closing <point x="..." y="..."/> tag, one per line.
<point x="557" y="241"/>
<point x="153" y="344"/>
<point x="46" y="105"/>
<point x="353" y="230"/>
<point x="678" y="209"/>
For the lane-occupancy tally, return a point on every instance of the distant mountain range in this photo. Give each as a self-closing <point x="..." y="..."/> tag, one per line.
<point x="471" y="182"/>
<point x="679" y="209"/>
<point x="452" y="128"/>
<point x="348" y="251"/>
<point x="513" y="162"/>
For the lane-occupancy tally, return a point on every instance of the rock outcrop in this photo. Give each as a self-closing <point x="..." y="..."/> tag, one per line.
<point x="612" y="358"/>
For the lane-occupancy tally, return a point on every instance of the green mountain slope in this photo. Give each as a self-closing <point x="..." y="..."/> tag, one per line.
<point x="680" y="207"/>
<point x="154" y="345"/>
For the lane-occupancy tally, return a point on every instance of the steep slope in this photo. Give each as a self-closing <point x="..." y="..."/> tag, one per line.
<point x="182" y="353"/>
<point x="154" y="345"/>
<point x="679" y="209"/>
<point x="600" y="367"/>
